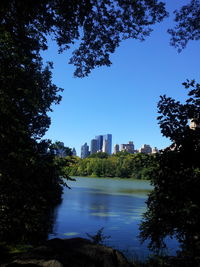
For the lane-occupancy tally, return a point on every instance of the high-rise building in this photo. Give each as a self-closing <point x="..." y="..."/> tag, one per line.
<point x="104" y="143"/>
<point x="107" y="143"/>
<point x="145" y="149"/>
<point x="105" y="146"/>
<point x="101" y="143"/>
<point x="85" y="151"/>
<point x="99" y="139"/>
<point x="116" y="149"/>
<point x="74" y="152"/>
<point x="94" y="146"/>
<point x="128" y="147"/>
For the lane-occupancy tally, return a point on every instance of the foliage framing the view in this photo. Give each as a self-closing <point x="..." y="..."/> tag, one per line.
<point x="100" y="25"/>
<point x="27" y="92"/>
<point x="174" y="204"/>
<point x="30" y="177"/>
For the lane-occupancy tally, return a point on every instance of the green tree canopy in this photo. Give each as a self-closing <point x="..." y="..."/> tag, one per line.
<point x="174" y="204"/>
<point x="59" y="148"/>
<point x="187" y="25"/>
<point x="99" y="25"/>
<point x="124" y="165"/>
<point x="100" y="155"/>
<point x="26" y="89"/>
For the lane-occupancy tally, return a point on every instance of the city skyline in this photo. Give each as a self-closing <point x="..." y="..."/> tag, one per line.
<point x="122" y="99"/>
<point x="129" y="147"/>
<point x="97" y="145"/>
<point x="101" y="143"/>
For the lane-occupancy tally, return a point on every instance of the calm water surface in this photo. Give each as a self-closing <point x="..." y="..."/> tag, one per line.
<point x="115" y="204"/>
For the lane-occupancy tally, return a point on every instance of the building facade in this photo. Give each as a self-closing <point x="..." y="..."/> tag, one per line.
<point x="99" y="139"/>
<point x="85" y="151"/>
<point x="74" y="152"/>
<point x="130" y="148"/>
<point x="105" y="146"/>
<point x="107" y="143"/>
<point x="94" y="146"/>
<point x="116" y="149"/>
<point x="146" y="149"/>
<point x="104" y="143"/>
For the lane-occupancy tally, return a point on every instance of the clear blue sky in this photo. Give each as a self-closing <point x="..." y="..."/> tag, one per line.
<point x="122" y="99"/>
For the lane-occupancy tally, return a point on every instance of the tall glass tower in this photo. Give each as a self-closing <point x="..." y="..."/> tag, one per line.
<point x="99" y="139"/>
<point x="84" y="151"/>
<point x="107" y="140"/>
<point x="104" y="143"/>
<point x="94" y="146"/>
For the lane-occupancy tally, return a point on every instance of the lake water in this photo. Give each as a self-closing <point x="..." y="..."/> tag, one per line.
<point x="115" y="204"/>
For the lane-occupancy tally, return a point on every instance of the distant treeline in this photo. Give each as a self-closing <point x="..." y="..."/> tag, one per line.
<point x="122" y="164"/>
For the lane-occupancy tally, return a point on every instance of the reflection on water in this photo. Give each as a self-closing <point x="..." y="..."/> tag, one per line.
<point x="115" y="204"/>
<point x="71" y="234"/>
<point x="93" y="203"/>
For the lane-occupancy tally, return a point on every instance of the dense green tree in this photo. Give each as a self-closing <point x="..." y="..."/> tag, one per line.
<point x="28" y="177"/>
<point x="100" y="155"/>
<point x="174" y="204"/>
<point x="142" y="165"/>
<point x="100" y="25"/>
<point x="121" y="153"/>
<point x="27" y="92"/>
<point x="58" y="148"/>
<point x="26" y="89"/>
<point x="187" y="25"/>
<point x="124" y="165"/>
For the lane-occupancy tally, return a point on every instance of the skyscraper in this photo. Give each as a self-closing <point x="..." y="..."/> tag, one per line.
<point x="94" y="146"/>
<point x="116" y="149"/>
<point x="105" y="146"/>
<point x="101" y="143"/>
<point x="99" y="139"/>
<point x="84" y="151"/>
<point x="74" y="152"/>
<point x="107" y="143"/>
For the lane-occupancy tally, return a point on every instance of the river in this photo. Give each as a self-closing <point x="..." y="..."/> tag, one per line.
<point x="116" y="205"/>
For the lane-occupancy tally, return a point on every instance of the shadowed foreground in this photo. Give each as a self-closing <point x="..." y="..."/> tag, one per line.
<point x="80" y="252"/>
<point x="75" y="252"/>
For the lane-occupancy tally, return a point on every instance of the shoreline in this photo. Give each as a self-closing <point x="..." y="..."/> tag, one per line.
<point x="116" y="178"/>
